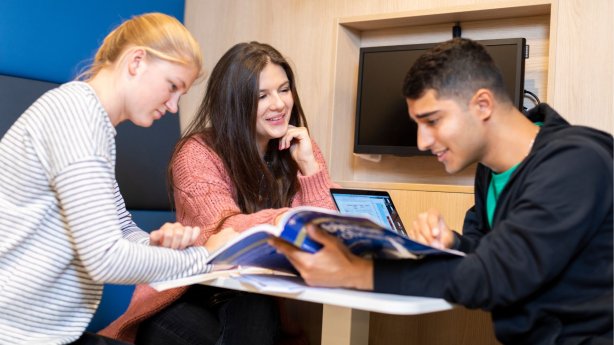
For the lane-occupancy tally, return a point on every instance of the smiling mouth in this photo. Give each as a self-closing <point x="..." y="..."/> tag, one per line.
<point x="440" y="154"/>
<point x="276" y="118"/>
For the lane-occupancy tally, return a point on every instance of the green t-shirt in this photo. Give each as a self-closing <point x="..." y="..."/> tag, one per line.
<point x="497" y="183"/>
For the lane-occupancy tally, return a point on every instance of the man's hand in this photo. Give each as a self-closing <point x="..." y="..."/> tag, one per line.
<point x="333" y="265"/>
<point x="430" y="228"/>
<point x="174" y="235"/>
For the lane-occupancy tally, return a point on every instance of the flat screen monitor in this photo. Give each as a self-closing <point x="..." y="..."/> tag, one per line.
<point x="382" y="123"/>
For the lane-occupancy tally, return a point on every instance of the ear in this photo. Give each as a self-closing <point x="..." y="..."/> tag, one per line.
<point x="135" y="59"/>
<point x="482" y="103"/>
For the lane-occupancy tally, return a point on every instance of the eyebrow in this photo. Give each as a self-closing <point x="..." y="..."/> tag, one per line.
<point x="286" y="83"/>
<point x="179" y="82"/>
<point x="423" y="115"/>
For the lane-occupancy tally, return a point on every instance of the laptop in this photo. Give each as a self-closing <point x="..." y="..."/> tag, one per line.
<point x="374" y="203"/>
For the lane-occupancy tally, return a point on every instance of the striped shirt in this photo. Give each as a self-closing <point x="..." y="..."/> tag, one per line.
<point x="65" y="229"/>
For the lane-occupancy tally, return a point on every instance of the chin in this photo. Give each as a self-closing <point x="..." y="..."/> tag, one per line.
<point x="453" y="169"/>
<point x="144" y="123"/>
<point x="278" y="134"/>
<point x="450" y="168"/>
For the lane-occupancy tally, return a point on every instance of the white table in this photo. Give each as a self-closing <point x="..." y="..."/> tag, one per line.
<point x="345" y="318"/>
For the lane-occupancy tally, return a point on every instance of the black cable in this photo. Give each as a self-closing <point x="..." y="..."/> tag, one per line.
<point x="456" y="30"/>
<point x="533" y="96"/>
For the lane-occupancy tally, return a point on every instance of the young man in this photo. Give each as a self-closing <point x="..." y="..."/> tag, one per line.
<point x="539" y="237"/>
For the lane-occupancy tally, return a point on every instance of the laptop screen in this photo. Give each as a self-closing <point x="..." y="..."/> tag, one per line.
<point x="376" y="204"/>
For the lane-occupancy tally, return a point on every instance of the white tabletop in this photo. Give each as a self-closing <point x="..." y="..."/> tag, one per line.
<point x="294" y="288"/>
<point x="345" y="313"/>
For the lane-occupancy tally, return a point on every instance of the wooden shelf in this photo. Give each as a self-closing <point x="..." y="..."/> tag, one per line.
<point x="423" y="187"/>
<point x="448" y="15"/>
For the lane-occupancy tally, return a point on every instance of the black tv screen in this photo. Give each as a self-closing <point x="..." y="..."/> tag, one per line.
<point x="383" y="125"/>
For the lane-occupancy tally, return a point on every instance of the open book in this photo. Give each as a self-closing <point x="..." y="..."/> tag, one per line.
<point x="362" y="235"/>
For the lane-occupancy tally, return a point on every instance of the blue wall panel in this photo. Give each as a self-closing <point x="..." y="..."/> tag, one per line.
<point x="52" y="40"/>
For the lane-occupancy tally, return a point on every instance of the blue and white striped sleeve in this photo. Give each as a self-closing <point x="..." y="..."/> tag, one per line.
<point x="87" y="194"/>
<point x="130" y="230"/>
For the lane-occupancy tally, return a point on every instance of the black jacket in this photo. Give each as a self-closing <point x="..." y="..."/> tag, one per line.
<point x="545" y="268"/>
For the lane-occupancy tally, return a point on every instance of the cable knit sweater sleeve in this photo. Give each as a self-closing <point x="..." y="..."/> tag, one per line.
<point x="204" y="192"/>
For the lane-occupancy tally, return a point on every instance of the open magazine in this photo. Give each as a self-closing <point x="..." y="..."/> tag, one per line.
<point x="249" y="253"/>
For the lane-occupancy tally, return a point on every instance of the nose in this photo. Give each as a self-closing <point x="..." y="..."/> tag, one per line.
<point x="172" y="105"/>
<point x="425" y="138"/>
<point x="277" y="102"/>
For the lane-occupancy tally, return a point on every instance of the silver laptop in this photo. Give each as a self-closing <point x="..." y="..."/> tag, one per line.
<point x="376" y="204"/>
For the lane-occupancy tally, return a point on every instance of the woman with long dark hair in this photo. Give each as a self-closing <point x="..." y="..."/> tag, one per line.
<point x="244" y="160"/>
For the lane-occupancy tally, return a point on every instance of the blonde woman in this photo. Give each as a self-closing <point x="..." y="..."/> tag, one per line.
<point x="65" y="227"/>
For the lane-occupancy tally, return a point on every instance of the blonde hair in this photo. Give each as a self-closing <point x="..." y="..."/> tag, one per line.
<point x="161" y="35"/>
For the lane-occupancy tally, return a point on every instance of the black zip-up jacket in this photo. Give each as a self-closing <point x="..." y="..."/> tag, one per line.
<point x="544" y="270"/>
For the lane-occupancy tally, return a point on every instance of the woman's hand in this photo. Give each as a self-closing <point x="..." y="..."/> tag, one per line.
<point x="298" y="141"/>
<point x="430" y="228"/>
<point x="174" y="235"/>
<point x="279" y="217"/>
<point x="216" y="241"/>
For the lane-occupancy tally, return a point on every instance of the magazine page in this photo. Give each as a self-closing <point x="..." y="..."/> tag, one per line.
<point x="362" y="235"/>
<point x="206" y="277"/>
<point x="250" y="249"/>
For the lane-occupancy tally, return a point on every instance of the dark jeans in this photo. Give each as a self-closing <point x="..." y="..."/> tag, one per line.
<point x="213" y="316"/>
<point x="88" y="338"/>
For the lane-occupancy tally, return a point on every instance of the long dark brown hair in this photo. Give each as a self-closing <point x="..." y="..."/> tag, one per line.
<point x="226" y="121"/>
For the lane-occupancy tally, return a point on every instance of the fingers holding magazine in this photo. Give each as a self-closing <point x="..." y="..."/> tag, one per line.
<point x="332" y="265"/>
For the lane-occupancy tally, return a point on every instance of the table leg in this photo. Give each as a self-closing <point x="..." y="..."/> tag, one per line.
<point x="344" y="326"/>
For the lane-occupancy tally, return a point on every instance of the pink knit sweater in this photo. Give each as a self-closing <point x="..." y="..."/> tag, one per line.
<point x="204" y="194"/>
